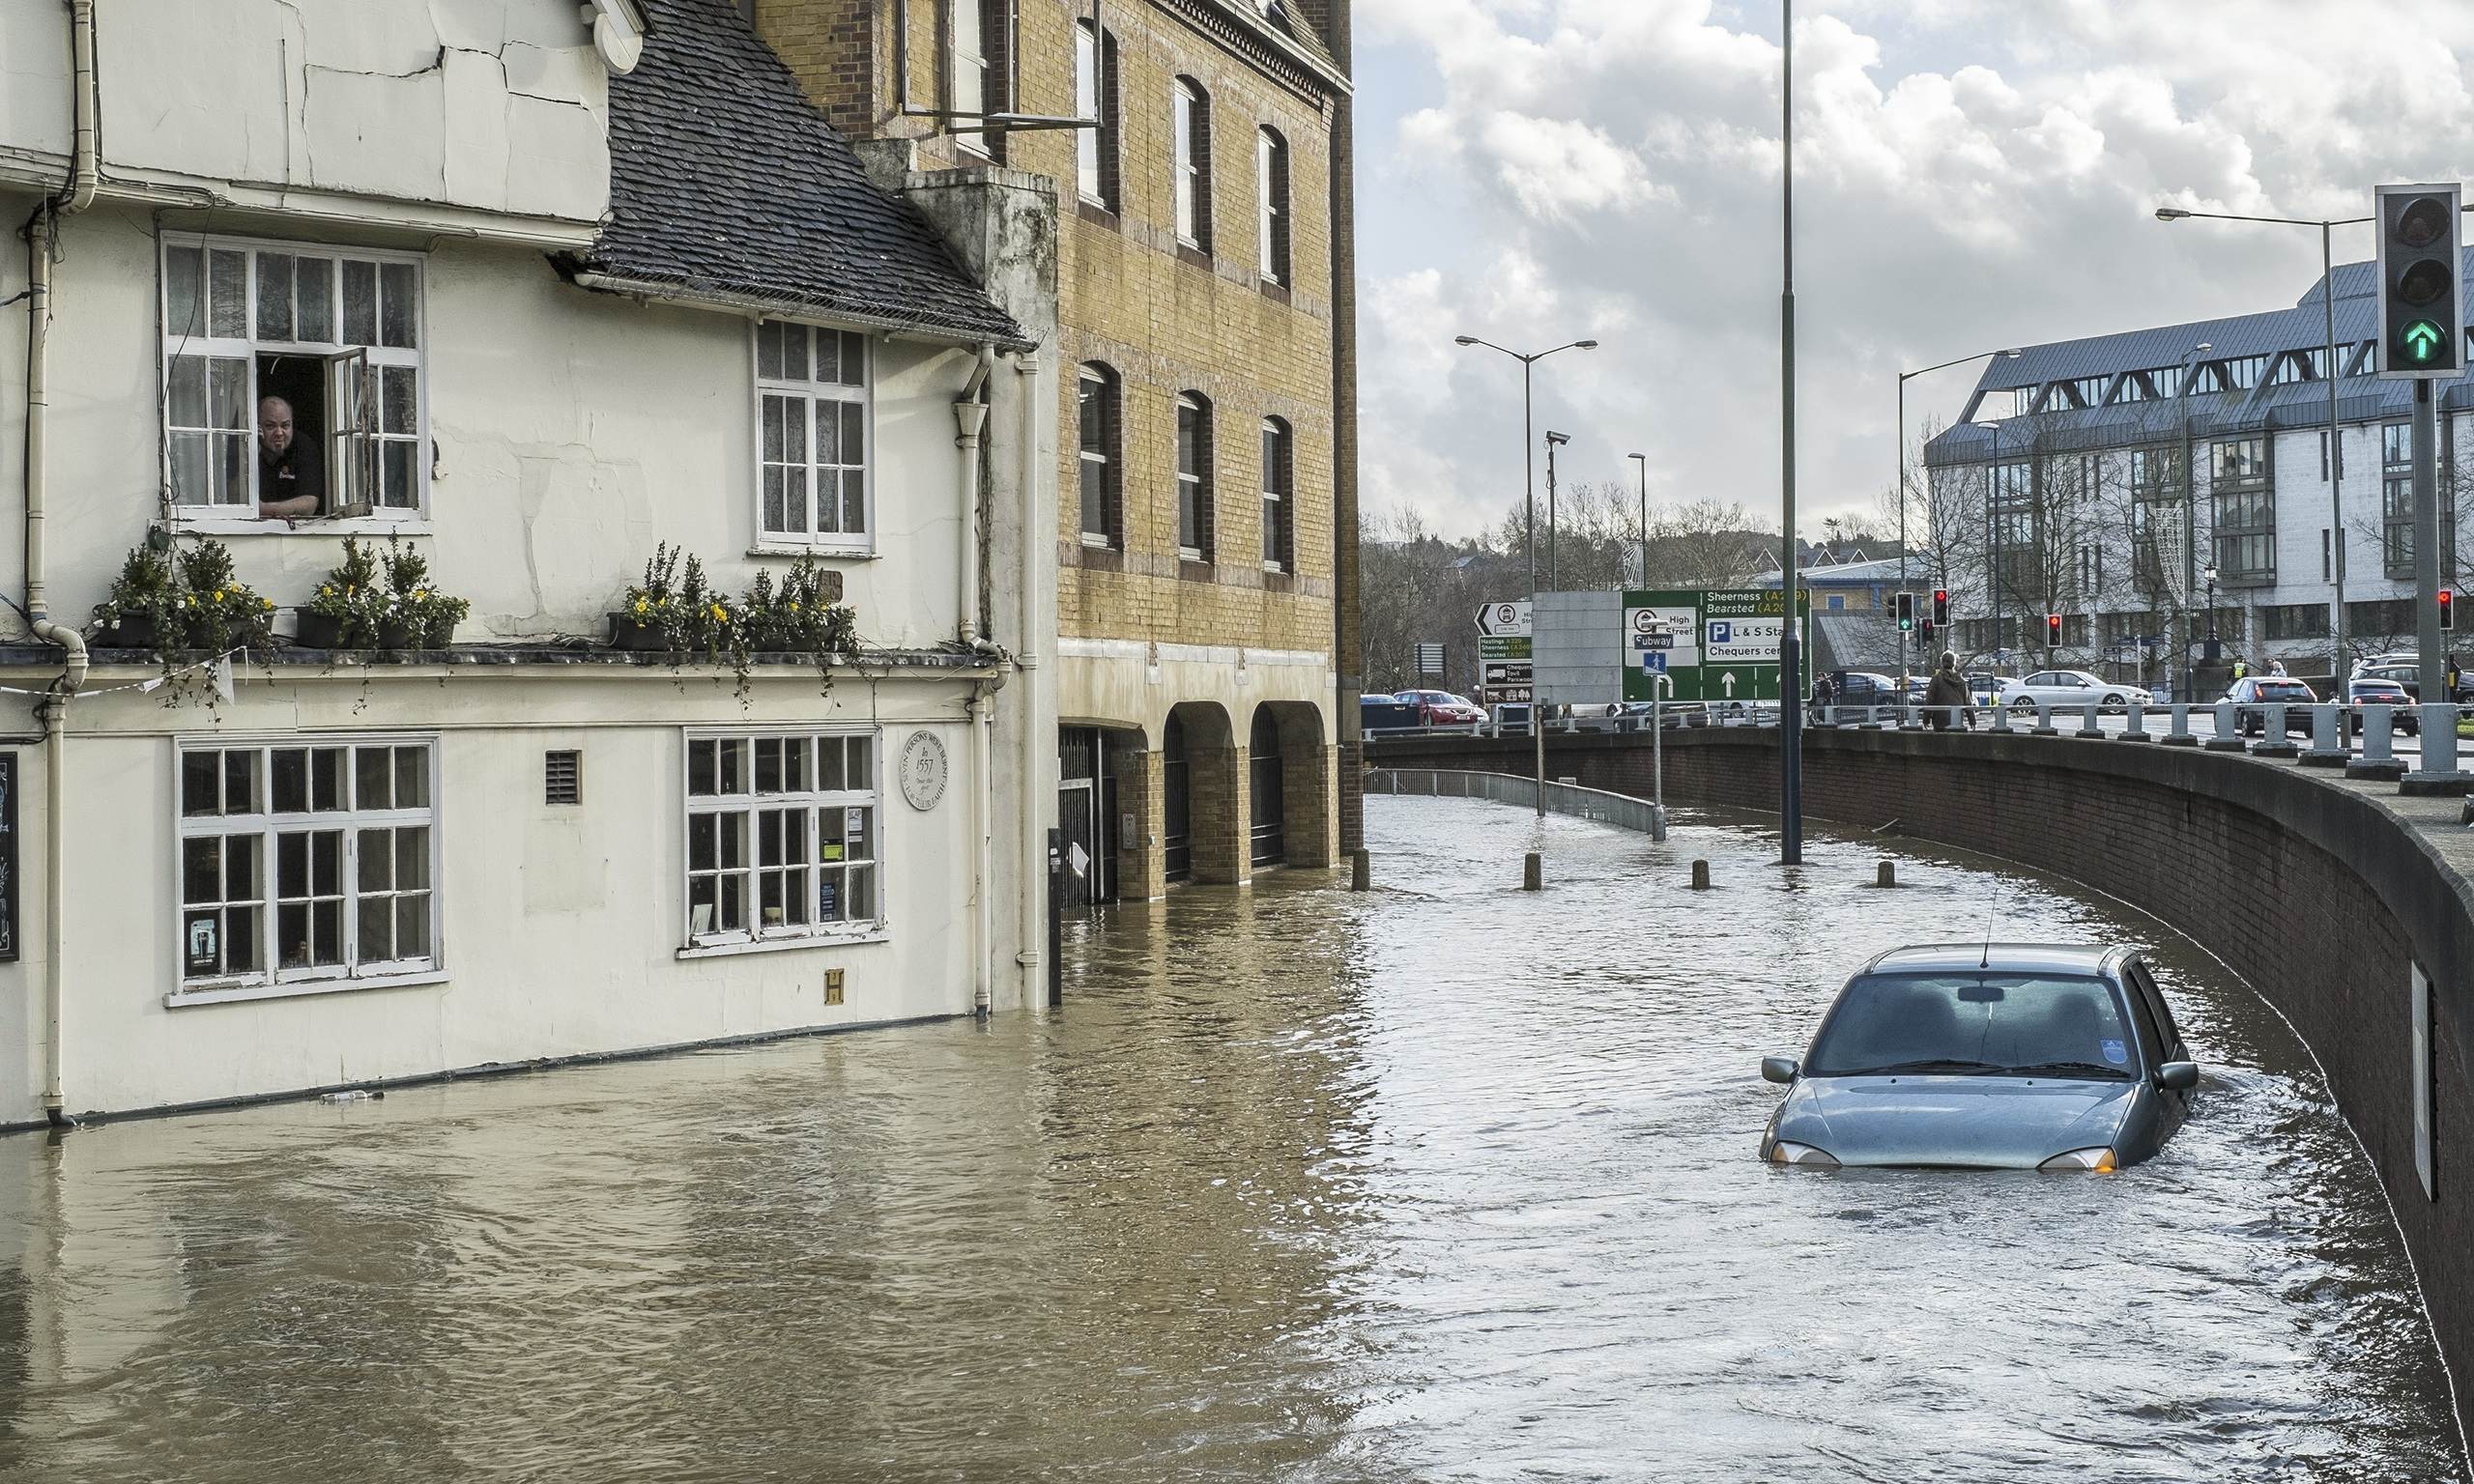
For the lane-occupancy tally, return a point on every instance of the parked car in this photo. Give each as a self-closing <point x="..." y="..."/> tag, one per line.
<point x="1864" y="688"/>
<point x="2072" y="688"/>
<point x="2406" y="671"/>
<point x="1383" y="713"/>
<point x="1442" y="708"/>
<point x="1984" y="686"/>
<point x="2269" y="691"/>
<point x="2361" y="693"/>
<point x="1994" y="1056"/>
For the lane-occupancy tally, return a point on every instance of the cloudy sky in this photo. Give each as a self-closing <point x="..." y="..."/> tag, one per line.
<point x="1969" y="174"/>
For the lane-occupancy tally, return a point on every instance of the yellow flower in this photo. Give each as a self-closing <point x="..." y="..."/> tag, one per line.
<point x="265" y="602"/>
<point x="721" y="615"/>
<point x="640" y="605"/>
<point x="421" y="595"/>
<point x="326" y="590"/>
<point x="219" y="594"/>
<point x="795" y="608"/>
<point x="188" y="600"/>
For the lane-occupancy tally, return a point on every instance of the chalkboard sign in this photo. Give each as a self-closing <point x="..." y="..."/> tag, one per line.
<point x="8" y="857"/>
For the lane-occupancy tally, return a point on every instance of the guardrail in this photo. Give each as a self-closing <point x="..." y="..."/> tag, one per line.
<point x="1746" y="713"/>
<point x="1615" y="809"/>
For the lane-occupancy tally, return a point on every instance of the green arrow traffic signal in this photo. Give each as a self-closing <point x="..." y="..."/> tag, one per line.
<point x="2422" y="340"/>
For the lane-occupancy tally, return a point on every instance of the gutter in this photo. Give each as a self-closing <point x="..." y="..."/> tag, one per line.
<point x="736" y="303"/>
<point x="85" y="176"/>
<point x="970" y="417"/>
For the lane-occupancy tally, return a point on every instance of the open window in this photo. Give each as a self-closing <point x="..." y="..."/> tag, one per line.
<point x="294" y="384"/>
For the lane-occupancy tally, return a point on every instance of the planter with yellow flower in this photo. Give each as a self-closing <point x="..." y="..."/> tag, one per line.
<point x="217" y="611"/>
<point x="651" y="618"/>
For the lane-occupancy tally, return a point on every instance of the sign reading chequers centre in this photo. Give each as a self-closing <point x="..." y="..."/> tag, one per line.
<point x="1716" y="645"/>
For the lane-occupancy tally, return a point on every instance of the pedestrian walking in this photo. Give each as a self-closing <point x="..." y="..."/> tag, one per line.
<point x="2276" y="666"/>
<point x="1945" y="695"/>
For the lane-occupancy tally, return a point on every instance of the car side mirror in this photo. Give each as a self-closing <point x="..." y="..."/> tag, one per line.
<point x="2178" y="1076"/>
<point x="1783" y="1068"/>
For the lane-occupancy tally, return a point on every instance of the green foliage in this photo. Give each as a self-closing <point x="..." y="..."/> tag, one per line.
<point x="426" y="616"/>
<point x="678" y="604"/>
<point x="384" y="599"/>
<point x="189" y="599"/>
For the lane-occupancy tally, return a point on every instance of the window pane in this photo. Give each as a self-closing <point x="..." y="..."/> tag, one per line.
<point x="732" y="777"/>
<point x="768" y="350"/>
<point x="243" y="951"/>
<point x="399" y="304"/>
<point x="768" y="765"/>
<point x="201" y="774"/>
<point x="274" y="296"/>
<point x="184" y="291"/>
<point x="862" y="890"/>
<point x="202" y="870"/>
<point x="854" y="500"/>
<point x="292" y="865"/>
<point x="774" y="518"/>
<point x="411" y="858"/>
<point x="412" y="925"/>
<point x="326" y="863"/>
<point x="373" y="777"/>
<point x="795" y="502"/>
<point x="241" y="877"/>
<point x="326" y="923"/>
<point x="794" y="764"/>
<point x="733" y="842"/>
<point x="1094" y="500"/>
<point x="240" y="782"/>
<point x="701" y="768"/>
<point x="854" y="358"/>
<point x="377" y="865"/>
<point x="227" y="313"/>
<point x="795" y="430"/>
<point x="794" y="352"/>
<point x="187" y="393"/>
<point x="829" y="758"/>
<point x="733" y="904"/>
<point x="401" y="401"/>
<point x="292" y="936"/>
<point x="227" y="393"/>
<point x="291" y="780"/>
<point x="327" y="778"/>
<point x="377" y="929"/>
<point x="411" y="776"/>
<point x="860" y="759"/>
<point x="703" y="830"/>
<point x="314" y="287"/>
<point x="829" y="356"/>
<point x="361" y="302"/>
<point x="398" y="473"/>
<point x="776" y="411"/>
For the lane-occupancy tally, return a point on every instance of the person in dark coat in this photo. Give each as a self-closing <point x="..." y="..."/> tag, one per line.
<point x="1947" y="688"/>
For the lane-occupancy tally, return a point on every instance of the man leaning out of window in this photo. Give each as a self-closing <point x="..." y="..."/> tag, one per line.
<point x="292" y="476"/>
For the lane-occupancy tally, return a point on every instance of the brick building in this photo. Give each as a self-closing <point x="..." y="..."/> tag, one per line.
<point x="1198" y="154"/>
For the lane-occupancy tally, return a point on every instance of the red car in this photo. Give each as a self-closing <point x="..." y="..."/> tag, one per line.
<point x="1442" y="708"/>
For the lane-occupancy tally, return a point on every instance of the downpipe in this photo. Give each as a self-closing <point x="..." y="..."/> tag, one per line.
<point x="970" y="419"/>
<point x="983" y="829"/>
<point x="1039" y="526"/>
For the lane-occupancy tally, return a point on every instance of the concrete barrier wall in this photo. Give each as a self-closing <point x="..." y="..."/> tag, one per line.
<point x="2322" y="894"/>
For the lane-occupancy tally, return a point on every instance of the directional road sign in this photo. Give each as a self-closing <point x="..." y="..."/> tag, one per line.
<point x="1504" y="621"/>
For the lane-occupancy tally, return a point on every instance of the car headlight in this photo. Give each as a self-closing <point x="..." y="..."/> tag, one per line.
<point x="1784" y="1153"/>
<point x="2099" y="1160"/>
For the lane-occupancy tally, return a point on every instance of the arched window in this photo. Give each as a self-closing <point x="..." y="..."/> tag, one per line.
<point x="1095" y="96"/>
<point x="1279" y="504"/>
<point x="1098" y="392"/>
<point x="1191" y="139"/>
<point x="1267" y="825"/>
<point x="1193" y="476"/>
<point x="1270" y="195"/>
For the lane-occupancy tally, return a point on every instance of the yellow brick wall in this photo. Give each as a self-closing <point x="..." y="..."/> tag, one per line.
<point x="1165" y="324"/>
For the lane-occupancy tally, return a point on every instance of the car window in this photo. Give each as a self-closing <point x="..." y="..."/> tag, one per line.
<point x="2038" y="679"/>
<point x="1993" y="1023"/>
<point x="2163" y="1014"/>
<point x="2151" y="1038"/>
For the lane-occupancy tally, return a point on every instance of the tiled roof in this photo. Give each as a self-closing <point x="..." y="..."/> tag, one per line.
<point x="2293" y="404"/>
<point x="727" y="182"/>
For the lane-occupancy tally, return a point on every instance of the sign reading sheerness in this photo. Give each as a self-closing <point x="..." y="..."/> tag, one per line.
<point x="923" y="770"/>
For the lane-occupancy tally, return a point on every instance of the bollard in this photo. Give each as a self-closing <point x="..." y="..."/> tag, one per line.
<point x="1533" y="873"/>
<point x="1700" y="876"/>
<point x="2134" y="723"/>
<point x="2439" y="773"/>
<point x="2378" y="762"/>
<point x="2044" y="721"/>
<point x="2276" y="733"/>
<point x="2330" y="747"/>
<point x="2089" y="726"/>
<point x="2179" y="734"/>
<point x="1886" y="875"/>
<point x="1361" y="869"/>
<point x="2229" y="729"/>
<point x="1657" y="824"/>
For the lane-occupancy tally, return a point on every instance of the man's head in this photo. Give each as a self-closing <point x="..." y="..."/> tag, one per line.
<point x="1949" y="659"/>
<point x="275" y="425"/>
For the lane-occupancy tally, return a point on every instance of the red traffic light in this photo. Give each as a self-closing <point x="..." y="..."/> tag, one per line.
<point x="2447" y="607"/>
<point x="1941" y="605"/>
<point x="2053" y="628"/>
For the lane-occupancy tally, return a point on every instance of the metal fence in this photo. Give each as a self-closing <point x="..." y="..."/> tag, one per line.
<point x="1572" y="799"/>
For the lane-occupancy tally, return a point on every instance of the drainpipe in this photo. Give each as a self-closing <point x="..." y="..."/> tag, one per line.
<point x="970" y="415"/>
<point x="983" y="829"/>
<point x="1039" y="529"/>
<point x="85" y="173"/>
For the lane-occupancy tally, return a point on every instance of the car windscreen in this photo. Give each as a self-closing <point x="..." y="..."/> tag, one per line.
<point x="1994" y="1024"/>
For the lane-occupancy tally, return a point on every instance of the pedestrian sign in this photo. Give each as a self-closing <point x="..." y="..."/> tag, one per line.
<point x="1653" y="662"/>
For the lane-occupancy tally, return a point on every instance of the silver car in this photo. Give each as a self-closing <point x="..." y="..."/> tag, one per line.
<point x="2072" y="688"/>
<point x="1995" y="1056"/>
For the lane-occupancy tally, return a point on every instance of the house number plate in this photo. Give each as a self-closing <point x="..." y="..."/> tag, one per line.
<point x="923" y="770"/>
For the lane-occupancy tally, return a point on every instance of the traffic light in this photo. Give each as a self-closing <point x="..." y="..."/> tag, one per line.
<point x="2422" y="321"/>
<point x="2053" y="628"/>
<point x="1906" y="611"/>
<point x="1941" y="607"/>
<point x="1928" y="627"/>
<point x="2447" y="609"/>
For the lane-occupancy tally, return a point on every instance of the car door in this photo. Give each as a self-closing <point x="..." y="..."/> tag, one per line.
<point x="2157" y="1029"/>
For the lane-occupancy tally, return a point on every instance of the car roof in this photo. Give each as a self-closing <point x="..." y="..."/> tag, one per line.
<point x="1999" y="958"/>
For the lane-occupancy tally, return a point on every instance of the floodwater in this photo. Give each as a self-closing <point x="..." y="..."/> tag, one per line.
<point x="1443" y="1182"/>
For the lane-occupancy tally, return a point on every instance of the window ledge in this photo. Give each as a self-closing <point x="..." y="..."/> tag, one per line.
<point x="786" y="944"/>
<point x="233" y="994"/>
<point x="1097" y="214"/>
<point x="407" y="525"/>
<point x="793" y="549"/>
<point x="1190" y="254"/>
<point x="1277" y="290"/>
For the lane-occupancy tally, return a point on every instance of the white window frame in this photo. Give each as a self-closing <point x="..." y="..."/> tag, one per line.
<point x="272" y="979"/>
<point x="1189" y="117"/>
<point x="806" y="395"/>
<point x="813" y="803"/>
<point x="1280" y="495"/>
<point x="966" y="21"/>
<point x="241" y="518"/>
<point x="1275" y="227"/>
<point x="1090" y="98"/>
<point x="1193" y="485"/>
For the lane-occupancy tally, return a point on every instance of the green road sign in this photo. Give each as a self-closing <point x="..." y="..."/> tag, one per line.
<point x="1724" y="645"/>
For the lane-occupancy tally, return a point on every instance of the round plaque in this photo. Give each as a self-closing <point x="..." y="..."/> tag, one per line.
<point x="923" y="770"/>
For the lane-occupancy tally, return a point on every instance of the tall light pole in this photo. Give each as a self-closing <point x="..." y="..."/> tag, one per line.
<point x="1554" y="441"/>
<point x="1643" y="460"/>
<point x="2340" y="662"/>
<point x="1904" y="376"/>
<point x="1529" y="504"/>
<point x="1790" y="670"/>
<point x="2191" y="511"/>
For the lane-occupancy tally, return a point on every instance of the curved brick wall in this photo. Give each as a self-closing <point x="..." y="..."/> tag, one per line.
<point x="2322" y="894"/>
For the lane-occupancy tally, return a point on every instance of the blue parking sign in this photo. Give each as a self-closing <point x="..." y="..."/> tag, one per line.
<point x="1721" y="632"/>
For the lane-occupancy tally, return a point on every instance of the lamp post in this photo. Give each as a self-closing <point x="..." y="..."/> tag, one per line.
<point x="1904" y="376"/>
<point x="1643" y="460"/>
<point x="2211" y="653"/>
<point x="2340" y="663"/>
<point x="2191" y="506"/>
<point x="1554" y="441"/>
<point x="1529" y="502"/>
<point x="1791" y="668"/>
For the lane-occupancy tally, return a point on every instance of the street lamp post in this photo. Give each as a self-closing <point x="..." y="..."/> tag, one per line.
<point x="2211" y="653"/>
<point x="2340" y="662"/>
<point x="1529" y="504"/>
<point x="1790" y="670"/>
<point x="1904" y="376"/>
<point x="1643" y="460"/>
<point x="2190" y="508"/>
<point x="1554" y="441"/>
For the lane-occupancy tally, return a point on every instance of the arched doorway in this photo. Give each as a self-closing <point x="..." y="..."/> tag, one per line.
<point x="1268" y="843"/>
<point x="1176" y="802"/>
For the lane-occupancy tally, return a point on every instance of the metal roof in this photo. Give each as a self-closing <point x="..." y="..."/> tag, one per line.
<point x="2362" y="398"/>
<point x="1999" y="958"/>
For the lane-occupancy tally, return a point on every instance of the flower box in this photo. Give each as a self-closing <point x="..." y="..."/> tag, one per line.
<point x="319" y="631"/>
<point x="137" y="631"/>
<point x="625" y="633"/>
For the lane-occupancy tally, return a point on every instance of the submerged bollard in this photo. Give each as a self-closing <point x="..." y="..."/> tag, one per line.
<point x="1700" y="876"/>
<point x="1533" y="872"/>
<point x="1361" y="869"/>
<point x="1887" y="876"/>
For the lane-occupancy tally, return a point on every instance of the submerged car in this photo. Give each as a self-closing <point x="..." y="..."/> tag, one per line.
<point x="1989" y="1056"/>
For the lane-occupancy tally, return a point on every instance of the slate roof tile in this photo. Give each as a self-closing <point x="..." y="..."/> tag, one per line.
<point x="726" y="180"/>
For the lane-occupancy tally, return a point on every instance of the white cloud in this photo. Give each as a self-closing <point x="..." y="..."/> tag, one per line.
<point x="1969" y="174"/>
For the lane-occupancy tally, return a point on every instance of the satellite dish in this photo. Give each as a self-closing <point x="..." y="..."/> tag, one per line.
<point x="619" y="45"/>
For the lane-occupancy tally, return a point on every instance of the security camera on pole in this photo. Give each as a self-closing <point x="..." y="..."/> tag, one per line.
<point x="2421" y="338"/>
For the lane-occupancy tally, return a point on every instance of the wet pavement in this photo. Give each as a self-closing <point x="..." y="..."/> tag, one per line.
<point x="1447" y="1182"/>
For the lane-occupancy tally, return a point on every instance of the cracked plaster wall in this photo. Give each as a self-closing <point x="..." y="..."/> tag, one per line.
<point x="573" y="431"/>
<point x="493" y="104"/>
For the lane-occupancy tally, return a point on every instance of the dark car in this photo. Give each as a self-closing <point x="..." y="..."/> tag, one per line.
<point x="2268" y="691"/>
<point x="1864" y="688"/>
<point x="2408" y="673"/>
<point x="1991" y="1056"/>
<point x="1382" y="713"/>
<point x="2361" y="693"/>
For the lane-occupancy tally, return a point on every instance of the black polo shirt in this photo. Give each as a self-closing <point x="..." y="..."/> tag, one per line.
<point x="299" y="470"/>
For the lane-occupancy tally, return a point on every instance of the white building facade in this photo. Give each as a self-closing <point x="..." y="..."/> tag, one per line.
<point x="545" y="288"/>
<point x="2061" y="491"/>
